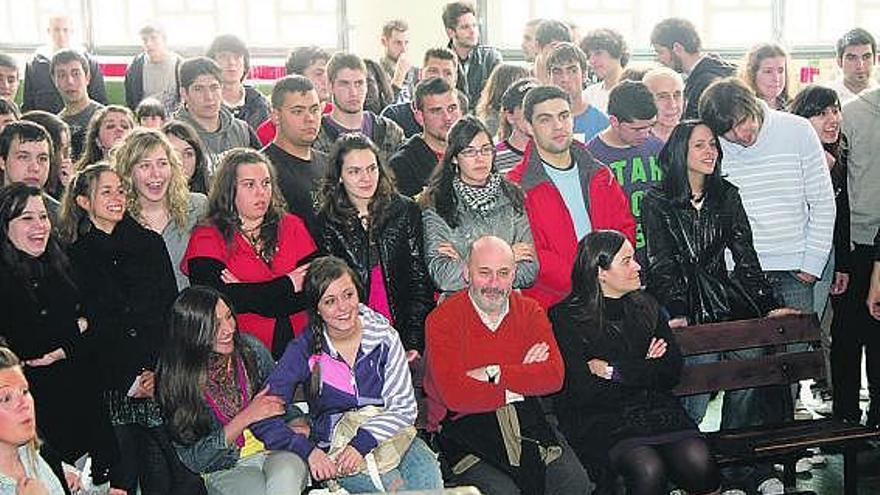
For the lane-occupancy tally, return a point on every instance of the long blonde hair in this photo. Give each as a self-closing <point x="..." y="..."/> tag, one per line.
<point x="127" y="156"/>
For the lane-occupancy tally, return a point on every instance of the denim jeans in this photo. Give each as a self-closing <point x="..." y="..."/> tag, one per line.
<point x="270" y="473"/>
<point x="418" y="470"/>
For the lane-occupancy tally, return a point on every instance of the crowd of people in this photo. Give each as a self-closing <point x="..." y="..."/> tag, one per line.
<point x="208" y="290"/>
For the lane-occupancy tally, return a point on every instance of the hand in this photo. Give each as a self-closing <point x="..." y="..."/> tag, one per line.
<point x="401" y="68"/>
<point x="228" y="278"/>
<point x="321" y="466"/>
<point x="348" y="461"/>
<point x="538" y="353"/>
<point x="300" y="426"/>
<point x="679" y="322"/>
<point x="873" y="300"/>
<point x="263" y="406"/>
<point x="31" y="486"/>
<point x="776" y="313"/>
<point x="599" y="368"/>
<point x="412" y="355"/>
<point x="478" y="374"/>
<point x="840" y="283"/>
<point x="146" y="385"/>
<point x="48" y="358"/>
<point x="656" y="349"/>
<point x="805" y="277"/>
<point x="117" y="491"/>
<point x="523" y="251"/>
<point x="448" y="250"/>
<point x="297" y="276"/>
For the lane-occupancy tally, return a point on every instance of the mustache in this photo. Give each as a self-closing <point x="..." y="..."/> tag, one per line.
<point x="492" y="291"/>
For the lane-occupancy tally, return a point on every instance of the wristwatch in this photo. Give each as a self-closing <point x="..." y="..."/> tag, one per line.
<point x="492" y="372"/>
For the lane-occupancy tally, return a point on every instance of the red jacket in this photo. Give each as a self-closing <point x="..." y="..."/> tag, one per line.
<point x="552" y="227"/>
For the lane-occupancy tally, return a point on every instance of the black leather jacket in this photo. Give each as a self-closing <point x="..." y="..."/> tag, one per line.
<point x="402" y="257"/>
<point x="686" y="270"/>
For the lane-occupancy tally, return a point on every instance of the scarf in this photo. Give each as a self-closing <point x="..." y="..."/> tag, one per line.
<point x="479" y="198"/>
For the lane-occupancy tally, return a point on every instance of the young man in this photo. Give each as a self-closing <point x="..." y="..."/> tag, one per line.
<point x="9" y="79"/>
<point x="678" y="46"/>
<point x="509" y="151"/>
<point x="528" y="45"/>
<point x="40" y="92"/>
<point x="348" y="84"/>
<point x="667" y="87"/>
<point x="438" y="62"/>
<point x="153" y="73"/>
<point x="25" y="153"/>
<point x="243" y="100"/>
<point x="8" y="113"/>
<point x="567" y="68"/>
<point x="548" y="34"/>
<point x="401" y="73"/>
<point x="857" y="329"/>
<point x="296" y="112"/>
<point x="568" y="193"/>
<point x="856" y="56"/>
<point x="476" y="61"/>
<point x="608" y="54"/>
<point x="629" y="148"/>
<point x="70" y="74"/>
<point x="436" y="109"/>
<point x="490" y="354"/>
<point x="200" y="93"/>
<point x="310" y="62"/>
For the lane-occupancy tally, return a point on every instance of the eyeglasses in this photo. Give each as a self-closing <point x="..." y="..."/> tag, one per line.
<point x="472" y="152"/>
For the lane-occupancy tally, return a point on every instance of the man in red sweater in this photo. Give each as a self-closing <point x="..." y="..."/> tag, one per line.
<point x="490" y="353"/>
<point x="568" y="193"/>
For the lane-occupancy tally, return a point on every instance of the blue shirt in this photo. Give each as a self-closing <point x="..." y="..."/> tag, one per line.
<point x="589" y="123"/>
<point x="568" y="182"/>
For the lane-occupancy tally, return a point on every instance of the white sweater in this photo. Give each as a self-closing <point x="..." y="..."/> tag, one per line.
<point x="786" y="191"/>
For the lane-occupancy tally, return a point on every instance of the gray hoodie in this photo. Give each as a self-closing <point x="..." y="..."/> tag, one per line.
<point x="232" y="133"/>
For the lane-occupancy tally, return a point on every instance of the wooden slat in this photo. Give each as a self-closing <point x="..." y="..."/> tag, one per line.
<point x="744" y="334"/>
<point x="778" y="369"/>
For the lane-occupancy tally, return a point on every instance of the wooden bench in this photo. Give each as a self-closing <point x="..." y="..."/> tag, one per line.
<point x="784" y="443"/>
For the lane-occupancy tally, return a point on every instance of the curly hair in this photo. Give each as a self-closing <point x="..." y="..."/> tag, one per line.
<point x="130" y="153"/>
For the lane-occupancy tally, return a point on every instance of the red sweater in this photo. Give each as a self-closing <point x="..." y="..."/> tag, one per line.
<point x="458" y="341"/>
<point x="552" y="227"/>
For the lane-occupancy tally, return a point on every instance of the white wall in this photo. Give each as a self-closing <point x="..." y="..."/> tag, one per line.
<point x="366" y="18"/>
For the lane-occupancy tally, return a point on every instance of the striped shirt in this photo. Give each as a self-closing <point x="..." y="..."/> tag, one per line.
<point x="786" y="191"/>
<point x="380" y="377"/>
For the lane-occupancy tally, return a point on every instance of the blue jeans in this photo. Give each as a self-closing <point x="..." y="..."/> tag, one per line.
<point x="792" y="291"/>
<point x="418" y="470"/>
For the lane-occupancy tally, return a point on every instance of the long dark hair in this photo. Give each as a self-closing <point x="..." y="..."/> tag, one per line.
<point x="221" y="202"/>
<point x="181" y="373"/>
<point x="13" y="199"/>
<point x="812" y="101"/>
<point x="335" y="202"/>
<point x="440" y="193"/>
<point x="322" y="272"/>
<point x="73" y="219"/>
<point x="185" y="132"/>
<point x="92" y="151"/>
<point x="673" y="161"/>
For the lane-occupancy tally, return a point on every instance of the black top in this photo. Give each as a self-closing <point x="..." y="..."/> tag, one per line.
<point x="254" y="110"/>
<point x="402" y="113"/>
<point x="128" y="287"/>
<point x="300" y="182"/>
<point x="474" y="71"/>
<point x="709" y="69"/>
<point x="596" y="413"/>
<point x="413" y="165"/>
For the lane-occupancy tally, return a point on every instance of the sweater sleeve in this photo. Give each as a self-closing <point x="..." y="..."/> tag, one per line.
<point x="534" y="379"/>
<point x="447" y="273"/>
<point x="526" y="270"/>
<point x="819" y="196"/>
<point x="658" y="373"/>
<point x="400" y="402"/>
<point x="291" y="371"/>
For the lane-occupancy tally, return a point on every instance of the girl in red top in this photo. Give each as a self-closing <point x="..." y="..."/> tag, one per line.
<point x="251" y="250"/>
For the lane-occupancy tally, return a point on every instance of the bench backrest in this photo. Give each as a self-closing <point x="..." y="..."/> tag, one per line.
<point x="781" y="367"/>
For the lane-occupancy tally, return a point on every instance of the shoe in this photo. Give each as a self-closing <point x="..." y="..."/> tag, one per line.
<point x="733" y="491"/>
<point x="771" y="486"/>
<point x="803" y="465"/>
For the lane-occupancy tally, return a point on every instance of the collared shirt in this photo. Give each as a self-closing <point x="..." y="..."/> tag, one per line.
<point x="486" y="318"/>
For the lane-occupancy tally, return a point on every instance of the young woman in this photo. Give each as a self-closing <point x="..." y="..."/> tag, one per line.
<point x="488" y="109"/>
<point x="513" y="135"/>
<point x="190" y="152"/>
<point x="766" y="72"/>
<point x="107" y="127"/>
<point x="251" y="250"/>
<point x="356" y="377"/>
<point x="468" y="199"/>
<point x="210" y="385"/>
<point x="22" y="469"/>
<point x="621" y="362"/>
<point x="234" y="59"/>
<point x="157" y="195"/>
<point x="378" y="232"/>
<point x="45" y="322"/>
<point x="124" y="272"/>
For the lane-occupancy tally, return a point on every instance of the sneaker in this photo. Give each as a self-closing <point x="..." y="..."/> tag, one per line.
<point x="803" y="465"/>
<point x="771" y="486"/>
<point x="733" y="491"/>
